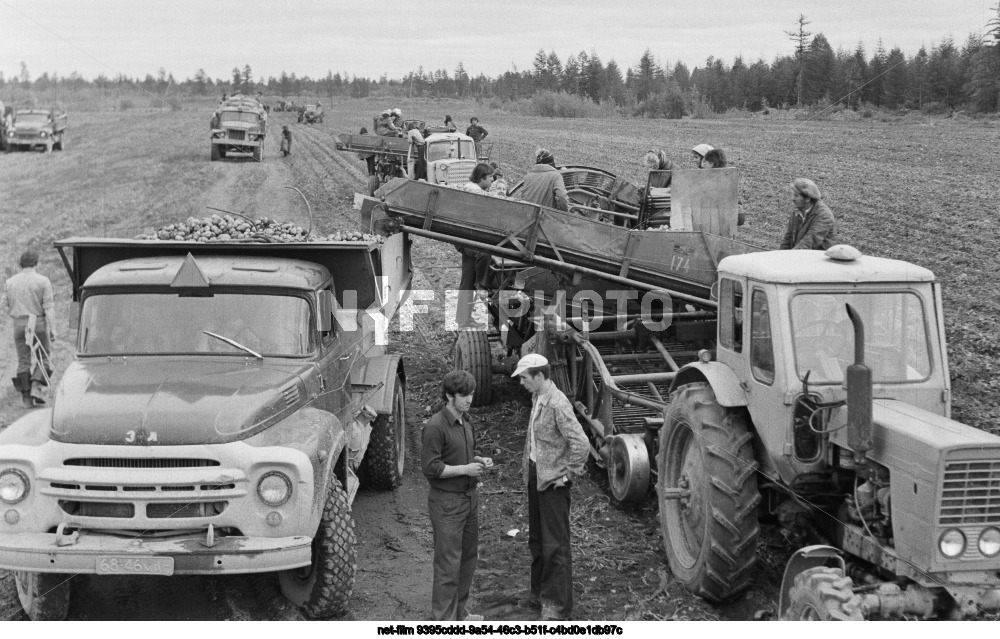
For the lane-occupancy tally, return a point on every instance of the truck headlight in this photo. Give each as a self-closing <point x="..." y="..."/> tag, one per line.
<point x="989" y="542"/>
<point x="14" y="486"/>
<point x="274" y="488"/>
<point x="43" y="134"/>
<point x="952" y="543"/>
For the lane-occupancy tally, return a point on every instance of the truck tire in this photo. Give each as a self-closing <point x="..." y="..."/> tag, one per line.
<point x="60" y="145"/>
<point x="823" y="594"/>
<point x="382" y="466"/>
<point x="710" y="534"/>
<point x="215" y="153"/>
<point x="258" y="152"/>
<point x="44" y="595"/>
<point x="373" y="183"/>
<point x="472" y="353"/>
<point x="323" y="588"/>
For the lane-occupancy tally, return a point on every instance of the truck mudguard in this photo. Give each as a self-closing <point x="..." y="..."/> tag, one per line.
<point x="720" y="377"/>
<point x="372" y="381"/>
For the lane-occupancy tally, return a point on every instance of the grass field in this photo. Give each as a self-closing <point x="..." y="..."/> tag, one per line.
<point x="925" y="192"/>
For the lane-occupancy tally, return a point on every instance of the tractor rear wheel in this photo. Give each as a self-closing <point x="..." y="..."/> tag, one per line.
<point x="823" y="594"/>
<point x="44" y="595"/>
<point x="708" y="494"/>
<point x="323" y="588"/>
<point x="472" y="353"/>
<point x="382" y="466"/>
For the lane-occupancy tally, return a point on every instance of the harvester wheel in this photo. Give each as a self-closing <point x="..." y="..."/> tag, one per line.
<point x="628" y="467"/>
<point x="472" y="353"/>
<point x="708" y="494"/>
<point x="373" y="184"/>
<point x="323" y="588"/>
<point x="215" y="153"/>
<point x="44" y="595"/>
<point x="823" y="594"/>
<point x="382" y="466"/>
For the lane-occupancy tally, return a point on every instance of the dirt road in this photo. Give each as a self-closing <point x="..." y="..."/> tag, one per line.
<point x="106" y="185"/>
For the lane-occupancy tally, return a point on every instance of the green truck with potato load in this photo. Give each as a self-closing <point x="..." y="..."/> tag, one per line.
<point x="227" y="399"/>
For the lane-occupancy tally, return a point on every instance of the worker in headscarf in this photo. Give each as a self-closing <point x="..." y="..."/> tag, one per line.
<point x="811" y="225"/>
<point x="698" y="152"/>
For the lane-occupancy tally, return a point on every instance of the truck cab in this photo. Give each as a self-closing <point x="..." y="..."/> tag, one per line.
<point x="44" y="129"/>
<point x="450" y="158"/>
<point x="223" y="401"/>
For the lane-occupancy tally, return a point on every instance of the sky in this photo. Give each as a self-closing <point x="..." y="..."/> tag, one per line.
<point x="312" y="37"/>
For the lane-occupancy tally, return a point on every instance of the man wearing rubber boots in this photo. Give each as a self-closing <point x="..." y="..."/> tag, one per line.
<point x="453" y="469"/>
<point x="555" y="452"/>
<point x="28" y="300"/>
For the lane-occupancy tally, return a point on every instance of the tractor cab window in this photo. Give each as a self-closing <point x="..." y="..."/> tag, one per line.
<point x="896" y="340"/>
<point x="731" y="315"/>
<point x="761" y="344"/>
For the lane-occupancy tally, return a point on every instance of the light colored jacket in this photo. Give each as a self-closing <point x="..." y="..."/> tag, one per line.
<point x="561" y="447"/>
<point x="544" y="185"/>
<point x="28" y="293"/>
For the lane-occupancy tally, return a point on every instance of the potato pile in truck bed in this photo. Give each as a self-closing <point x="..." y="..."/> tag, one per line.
<point x="228" y="228"/>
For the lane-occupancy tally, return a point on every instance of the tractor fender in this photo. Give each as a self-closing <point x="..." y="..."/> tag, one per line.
<point x="372" y="382"/>
<point x="804" y="559"/>
<point x="720" y="377"/>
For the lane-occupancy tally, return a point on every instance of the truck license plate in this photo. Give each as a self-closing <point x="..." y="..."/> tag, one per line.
<point x="125" y="565"/>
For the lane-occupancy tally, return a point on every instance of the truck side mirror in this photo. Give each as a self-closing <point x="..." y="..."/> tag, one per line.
<point x="324" y="311"/>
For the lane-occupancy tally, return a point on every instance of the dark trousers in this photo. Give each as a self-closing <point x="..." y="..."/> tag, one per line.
<point x="475" y="271"/>
<point x="24" y="349"/>
<point x="455" y="520"/>
<point x="549" y="543"/>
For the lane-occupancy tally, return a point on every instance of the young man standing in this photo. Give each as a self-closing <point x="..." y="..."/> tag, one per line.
<point x="451" y="466"/>
<point x="28" y="300"/>
<point x="555" y="452"/>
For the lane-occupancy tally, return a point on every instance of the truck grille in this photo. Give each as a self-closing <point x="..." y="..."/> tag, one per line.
<point x="125" y="462"/>
<point x="971" y="493"/>
<point x="237" y="135"/>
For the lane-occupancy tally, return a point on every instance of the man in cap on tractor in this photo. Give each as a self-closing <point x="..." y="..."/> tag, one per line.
<point x="811" y="225"/>
<point x="555" y="452"/>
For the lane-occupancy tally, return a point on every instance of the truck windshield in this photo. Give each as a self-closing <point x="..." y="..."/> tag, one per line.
<point x="896" y="341"/>
<point x="167" y="323"/>
<point x="32" y="118"/>
<point x="448" y="149"/>
<point x="239" y="116"/>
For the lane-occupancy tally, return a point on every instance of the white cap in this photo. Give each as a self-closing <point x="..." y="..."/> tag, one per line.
<point x="702" y="149"/>
<point x="529" y="361"/>
<point x="397" y="112"/>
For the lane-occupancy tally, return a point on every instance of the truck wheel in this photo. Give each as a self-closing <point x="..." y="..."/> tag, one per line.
<point x="323" y="588"/>
<point x="382" y="466"/>
<point x="472" y="353"/>
<point x="60" y="145"/>
<point x="708" y="494"/>
<point x="258" y="152"/>
<point x="823" y="594"/>
<point x="215" y="153"/>
<point x="373" y="184"/>
<point x="44" y="595"/>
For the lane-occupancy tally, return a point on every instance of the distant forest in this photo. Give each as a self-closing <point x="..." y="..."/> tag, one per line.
<point x="948" y="77"/>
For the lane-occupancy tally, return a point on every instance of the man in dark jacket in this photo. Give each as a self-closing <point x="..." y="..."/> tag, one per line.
<point x="452" y="467"/>
<point x="543" y="184"/>
<point x="477" y="133"/>
<point x="812" y="225"/>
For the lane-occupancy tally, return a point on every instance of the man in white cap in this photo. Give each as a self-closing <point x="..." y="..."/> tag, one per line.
<point x="699" y="151"/>
<point x="812" y="225"/>
<point x="555" y="452"/>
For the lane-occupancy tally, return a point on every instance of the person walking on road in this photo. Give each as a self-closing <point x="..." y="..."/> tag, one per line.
<point x="543" y="184"/>
<point x="286" y="140"/>
<point x="453" y="469"/>
<point x="555" y="452"/>
<point x="812" y="225"/>
<point x="28" y="300"/>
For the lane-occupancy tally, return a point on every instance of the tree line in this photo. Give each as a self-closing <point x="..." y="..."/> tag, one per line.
<point x="948" y="76"/>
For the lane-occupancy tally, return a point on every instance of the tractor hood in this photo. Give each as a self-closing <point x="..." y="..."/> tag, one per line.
<point x="151" y="401"/>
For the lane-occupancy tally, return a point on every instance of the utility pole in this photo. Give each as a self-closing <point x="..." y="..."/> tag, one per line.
<point x="800" y="36"/>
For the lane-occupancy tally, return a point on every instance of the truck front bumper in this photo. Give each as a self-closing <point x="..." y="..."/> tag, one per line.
<point x="39" y="552"/>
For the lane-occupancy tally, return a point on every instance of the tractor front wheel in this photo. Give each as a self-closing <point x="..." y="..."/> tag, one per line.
<point x="708" y="494"/>
<point x="823" y="594"/>
<point x="472" y="353"/>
